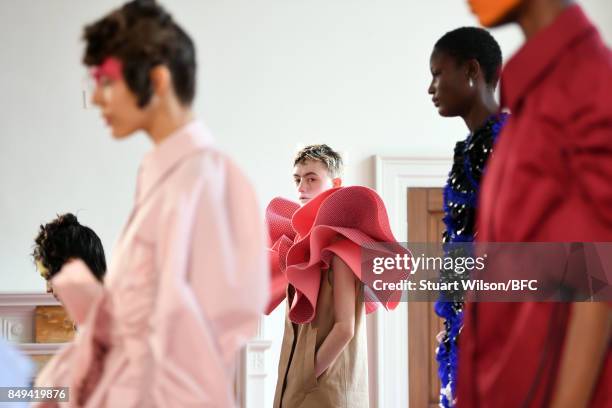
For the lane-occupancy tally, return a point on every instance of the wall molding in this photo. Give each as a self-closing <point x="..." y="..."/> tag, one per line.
<point x="394" y="175"/>
<point x="27" y="299"/>
<point x="36" y="349"/>
<point x="256" y="373"/>
<point x="252" y="371"/>
<point x="17" y="314"/>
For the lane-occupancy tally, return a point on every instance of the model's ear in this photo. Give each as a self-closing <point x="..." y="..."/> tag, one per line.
<point x="161" y="80"/>
<point x="472" y="70"/>
<point x="337" y="182"/>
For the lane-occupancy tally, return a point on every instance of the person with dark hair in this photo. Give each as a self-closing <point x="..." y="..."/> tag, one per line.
<point x="549" y="181"/>
<point x="64" y="239"/>
<point x="144" y="66"/>
<point x="465" y="65"/>
<point x="188" y="280"/>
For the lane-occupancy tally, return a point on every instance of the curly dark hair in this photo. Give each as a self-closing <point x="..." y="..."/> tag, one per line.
<point x="142" y="35"/>
<point x="65" y="238"/>
<point x="324" y="154"/>
<point x="468" y="43"/>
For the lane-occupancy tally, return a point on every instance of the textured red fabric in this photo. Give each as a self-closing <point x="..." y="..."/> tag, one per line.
<point x="338" y="222"/>
<point x="548" y="181"/>
<point x="281" y="236"/>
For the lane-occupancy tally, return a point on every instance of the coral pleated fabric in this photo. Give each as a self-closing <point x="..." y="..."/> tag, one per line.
<point x="281" y="237"/>
<point x="303" y="241"/>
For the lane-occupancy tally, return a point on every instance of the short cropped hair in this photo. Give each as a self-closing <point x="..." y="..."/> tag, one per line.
<point x="322" y="153"/>
<point x="142" y="35"/>
<point x="467" y="43"/>
<point x="65" y="238"/>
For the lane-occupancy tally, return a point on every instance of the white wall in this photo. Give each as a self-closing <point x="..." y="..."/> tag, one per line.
<point x="273" y="74"/>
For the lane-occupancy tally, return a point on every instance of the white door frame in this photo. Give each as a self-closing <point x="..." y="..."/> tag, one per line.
<point x="394" y="175"/>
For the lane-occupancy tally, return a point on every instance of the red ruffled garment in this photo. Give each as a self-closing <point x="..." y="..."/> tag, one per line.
<point x="338" y="222"/>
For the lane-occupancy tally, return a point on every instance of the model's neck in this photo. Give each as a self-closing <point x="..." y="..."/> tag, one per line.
<point x="167" y="122"/>
<point x="536" y="15"/>
<point x="485" y="106"/>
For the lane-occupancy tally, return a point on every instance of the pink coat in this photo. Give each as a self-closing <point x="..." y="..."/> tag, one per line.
<point x="185" y="288"/>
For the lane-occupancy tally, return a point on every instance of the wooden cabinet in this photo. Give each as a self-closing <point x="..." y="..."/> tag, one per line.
<point x="52" y="325"/>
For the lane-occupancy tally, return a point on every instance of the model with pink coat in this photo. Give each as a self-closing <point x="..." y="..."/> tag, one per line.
<point x="188" y="278"/>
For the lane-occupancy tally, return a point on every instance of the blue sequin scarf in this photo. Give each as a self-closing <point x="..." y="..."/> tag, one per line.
<point x="460" y="203"/>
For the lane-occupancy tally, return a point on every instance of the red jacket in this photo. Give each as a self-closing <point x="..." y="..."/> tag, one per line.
<point x="549" y="180"/>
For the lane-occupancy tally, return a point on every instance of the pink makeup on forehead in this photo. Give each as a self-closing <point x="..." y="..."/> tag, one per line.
<point x="110" y="68"/>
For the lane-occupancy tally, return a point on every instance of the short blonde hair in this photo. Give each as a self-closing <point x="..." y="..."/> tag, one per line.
<point x="324" y="154"/>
